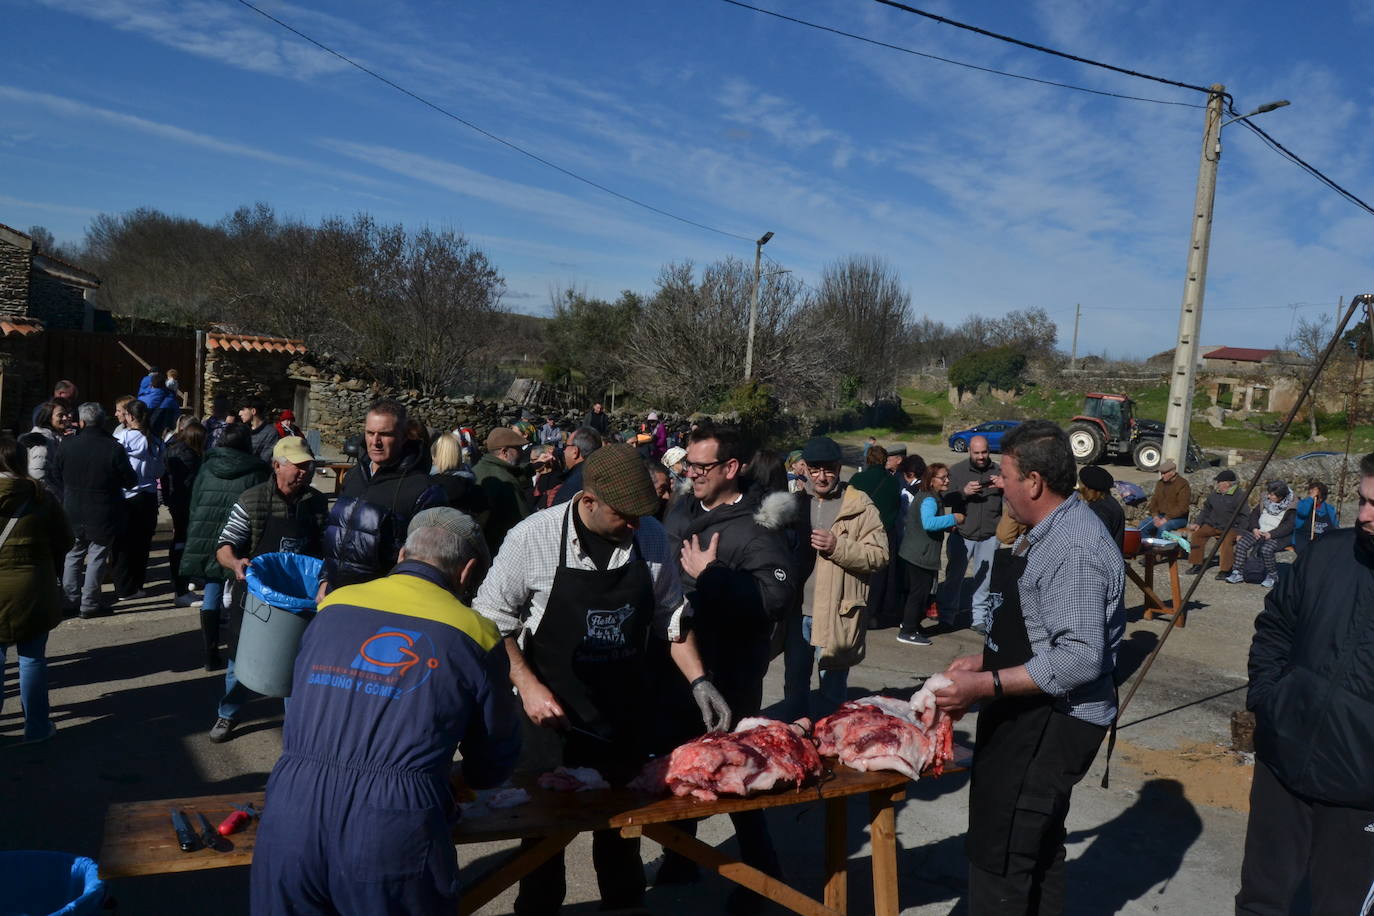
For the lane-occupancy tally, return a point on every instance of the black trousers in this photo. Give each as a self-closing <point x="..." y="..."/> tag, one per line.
<point x="1290" y="838"/>
<point x="131" y="548"/>
<point x="1033" y="884"/>
<point x="615" y="859"/>
<point x="919" y="583"/>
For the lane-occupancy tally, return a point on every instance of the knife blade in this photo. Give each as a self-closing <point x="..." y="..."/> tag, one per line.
<point x="583" y="731"/>
<point x="208" y="836"/>
<point x="186" y="837"/>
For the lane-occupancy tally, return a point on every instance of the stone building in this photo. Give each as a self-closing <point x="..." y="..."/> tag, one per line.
<point x="34" y="284"/>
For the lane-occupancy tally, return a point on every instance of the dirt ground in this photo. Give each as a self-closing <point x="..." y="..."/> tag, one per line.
<point x="133" y="705"/>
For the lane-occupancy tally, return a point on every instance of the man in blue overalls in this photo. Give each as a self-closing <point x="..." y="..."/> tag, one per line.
<point x="393" y="676"/>
<point x="587" y="582"/>
<point x="1045" y="676"/>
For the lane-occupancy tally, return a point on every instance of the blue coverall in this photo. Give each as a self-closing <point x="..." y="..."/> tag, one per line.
<point x="393" y="675"/>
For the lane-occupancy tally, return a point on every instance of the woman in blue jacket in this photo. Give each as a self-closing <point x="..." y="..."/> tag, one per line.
<point x="1305" y="529"/>
<point x="920" y="551"/>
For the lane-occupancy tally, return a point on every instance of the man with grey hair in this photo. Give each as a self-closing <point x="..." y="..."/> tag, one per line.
<point x="91" y="471"/>
<point x="581" y="444"/>
<point x="378" y="499"/>
<point x="393" y="676"/>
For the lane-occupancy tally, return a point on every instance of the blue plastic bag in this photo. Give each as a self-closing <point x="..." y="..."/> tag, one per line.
<point x="289" y="581"/>
<point x="49" y="884"/>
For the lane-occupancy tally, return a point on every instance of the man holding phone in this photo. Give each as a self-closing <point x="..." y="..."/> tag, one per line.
<point x="974" y="493"/>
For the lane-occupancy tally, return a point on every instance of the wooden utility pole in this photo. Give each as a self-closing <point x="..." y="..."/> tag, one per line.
<point x="754" y="307"/>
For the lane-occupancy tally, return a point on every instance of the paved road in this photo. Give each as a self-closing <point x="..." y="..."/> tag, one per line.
<point x="133" y="706"/>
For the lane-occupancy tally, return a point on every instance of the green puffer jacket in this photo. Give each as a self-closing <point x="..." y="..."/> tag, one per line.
<point x="224" y="475"/>
<point x="30" y="560"/>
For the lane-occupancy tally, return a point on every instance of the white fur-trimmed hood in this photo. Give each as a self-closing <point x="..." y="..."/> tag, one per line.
<point x="777" y="511"/>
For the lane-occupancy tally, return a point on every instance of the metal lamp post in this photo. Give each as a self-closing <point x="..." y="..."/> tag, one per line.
<point x="754" y="307"/>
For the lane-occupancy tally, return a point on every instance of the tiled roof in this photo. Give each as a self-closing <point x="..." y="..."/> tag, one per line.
<point x="1240" y="354"/>
<point x="253" y="343"/>
<point x="19" y="326"/>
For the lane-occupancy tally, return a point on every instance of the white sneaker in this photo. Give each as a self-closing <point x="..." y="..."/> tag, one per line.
<point x="1268" y="582"/>
<point x="190" y="599"/>
<point x="1235" y="578"/>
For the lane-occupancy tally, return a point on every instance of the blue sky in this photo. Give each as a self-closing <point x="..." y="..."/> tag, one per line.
<point x="985" y="193"/>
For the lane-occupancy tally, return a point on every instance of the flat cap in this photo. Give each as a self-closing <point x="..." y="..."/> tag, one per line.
<point x="503" y="437"/>
<point x="454" y="522"/>
<point x="617" y="476"/>
<point x="1096" y="478"/>
<point x="821" y="449"/>
<point x="1168" y="464"/>
<point x="674" y="455"/>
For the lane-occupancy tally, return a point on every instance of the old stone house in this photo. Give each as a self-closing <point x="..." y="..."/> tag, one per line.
<point x="34" y="284"/>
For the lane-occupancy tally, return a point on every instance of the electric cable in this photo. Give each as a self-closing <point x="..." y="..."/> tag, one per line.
<point x="1044" y="50"/>
<point x="486" y="133"/>
<point x="957" y="63"/>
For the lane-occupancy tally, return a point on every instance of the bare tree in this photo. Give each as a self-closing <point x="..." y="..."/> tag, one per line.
<point x="687" y="349"/>
<point x="1309" y="340"/>
<point x="864" y="310"/>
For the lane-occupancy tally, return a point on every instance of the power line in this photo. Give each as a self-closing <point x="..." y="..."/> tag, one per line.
<point x="1312" y="170"/>
<point x="486" y="133"/>
<point x="957" y="63"/>
<point x="1041" y="48"/>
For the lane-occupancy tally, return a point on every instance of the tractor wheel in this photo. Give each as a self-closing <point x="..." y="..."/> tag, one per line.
<point x="959" y="445"/>
<point x="1147" y="454"/>
<point x="1085" y="441"/>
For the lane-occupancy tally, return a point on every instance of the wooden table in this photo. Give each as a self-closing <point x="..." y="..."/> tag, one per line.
<point x="139" y="838"/>
<point x="340" y="470"/>
<point x="1154" y="605"/>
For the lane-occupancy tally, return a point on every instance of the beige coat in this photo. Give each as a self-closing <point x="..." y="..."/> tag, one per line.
<point x="840" y="592"/>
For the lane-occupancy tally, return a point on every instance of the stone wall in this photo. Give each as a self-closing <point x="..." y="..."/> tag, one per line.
<point x="58" y="304"/>
<point x="14" y="277"/>
<point x="239" y="375"/>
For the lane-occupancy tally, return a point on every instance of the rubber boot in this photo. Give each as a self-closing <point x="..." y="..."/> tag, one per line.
<point x="209" y="631"/>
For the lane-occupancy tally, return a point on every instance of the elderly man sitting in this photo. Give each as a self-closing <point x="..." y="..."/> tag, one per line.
<point x="1170" y="502"/>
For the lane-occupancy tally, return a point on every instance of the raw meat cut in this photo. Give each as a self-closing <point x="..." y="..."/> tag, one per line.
<point x="882" y="733"/>
<point x="572" y="779"/>
<point x="758" y="755"/>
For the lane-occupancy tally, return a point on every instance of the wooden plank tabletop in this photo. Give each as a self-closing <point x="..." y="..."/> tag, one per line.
<point x="139" y="839"/>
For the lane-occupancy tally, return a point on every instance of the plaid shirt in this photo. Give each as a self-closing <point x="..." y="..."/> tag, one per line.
<point x="516" y="591"/>
<point x="1071" y="597"/>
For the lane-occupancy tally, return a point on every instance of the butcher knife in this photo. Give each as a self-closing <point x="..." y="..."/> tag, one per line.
<point x="186" y="837"/>
<point x="583" y="731"/>
<point x="207" y="832"/>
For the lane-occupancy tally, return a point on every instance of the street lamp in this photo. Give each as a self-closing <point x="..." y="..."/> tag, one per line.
<point x="754" y="307"/>
<point x="1181" y="381"/>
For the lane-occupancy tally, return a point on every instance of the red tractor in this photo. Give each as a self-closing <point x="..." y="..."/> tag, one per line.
<point x="1108" y="428"/>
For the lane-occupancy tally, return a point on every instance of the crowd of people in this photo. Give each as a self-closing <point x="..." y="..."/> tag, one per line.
<point x="586" y="596"/>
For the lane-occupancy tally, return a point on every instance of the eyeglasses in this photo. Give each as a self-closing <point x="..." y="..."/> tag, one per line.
<point x="816" y="470"/>
<point x="704" y="467"/>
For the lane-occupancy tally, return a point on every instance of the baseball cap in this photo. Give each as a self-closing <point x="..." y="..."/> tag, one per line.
<point x="502" y="437"/>
<point x="1227" y="474"/>
<point x="1168" y="464"/>
<point x="454" y="522"/>
<point x="820" y="449"/>
<point x="617" y="476"/>
<point x="292" y="449"/>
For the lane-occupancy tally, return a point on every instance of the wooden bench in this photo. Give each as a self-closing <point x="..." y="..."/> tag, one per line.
<point x="139" y="839"/>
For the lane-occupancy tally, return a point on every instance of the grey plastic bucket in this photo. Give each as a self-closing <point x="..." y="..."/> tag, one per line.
<point x="277" y="607"/>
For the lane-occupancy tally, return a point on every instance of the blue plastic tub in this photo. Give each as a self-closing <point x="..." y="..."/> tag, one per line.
<point x="49" y="884"/>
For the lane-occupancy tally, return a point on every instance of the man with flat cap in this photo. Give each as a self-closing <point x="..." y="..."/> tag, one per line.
<point x="506" y="483"/>
<point x="1096" y="487"/>
<point x="576" y="591"/>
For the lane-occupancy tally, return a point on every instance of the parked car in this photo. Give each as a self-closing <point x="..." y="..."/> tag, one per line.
<point x="993" y="431"/>
<point x="1316" y="455"/>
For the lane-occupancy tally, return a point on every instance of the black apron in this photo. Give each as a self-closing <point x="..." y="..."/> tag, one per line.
<point x="283" y="533"/>
<point x="1009" y="729"/>
<point x="589" y="650"/>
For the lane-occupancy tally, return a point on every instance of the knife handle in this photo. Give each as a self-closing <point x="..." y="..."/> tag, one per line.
<point x="233" y="823"/>
<point x="185" y="837"/>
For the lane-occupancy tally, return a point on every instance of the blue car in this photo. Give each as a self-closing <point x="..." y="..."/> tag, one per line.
<point x="993" y="431"/>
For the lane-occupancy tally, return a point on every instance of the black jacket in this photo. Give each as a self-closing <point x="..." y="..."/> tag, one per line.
<point x="1312" y="673"/>
<point x="92" y="470"/>
<point x="601" y="422"/>
<point x="367" y="526"/>
<point x="181" y="465"/>
<point x="1281" y="532"/>
<point x="571" y="485"/>
<point x="1113" y="516"/>
<point x="1217" y="509"/>
<point x="461" y="492"/>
